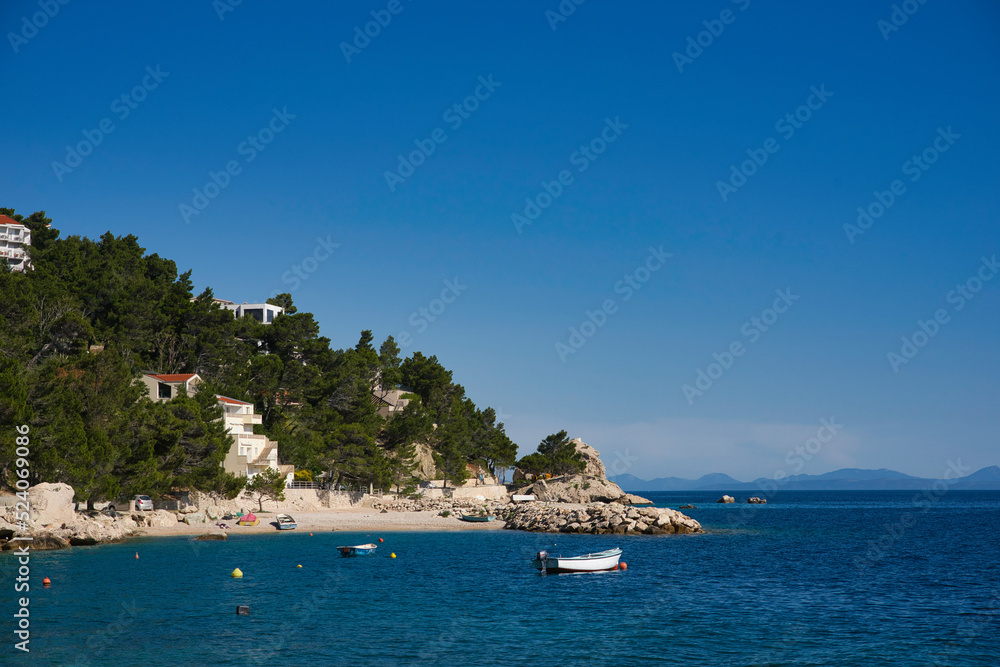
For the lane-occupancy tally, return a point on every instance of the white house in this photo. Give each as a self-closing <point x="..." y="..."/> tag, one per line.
<point x="163" y="387"/>
<point x="14" y="241"/>
<point x="262" y="312"/>
<point x="250" y="453"/>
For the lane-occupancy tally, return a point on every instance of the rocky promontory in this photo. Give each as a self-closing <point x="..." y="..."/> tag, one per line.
<point x="598" y="518"/>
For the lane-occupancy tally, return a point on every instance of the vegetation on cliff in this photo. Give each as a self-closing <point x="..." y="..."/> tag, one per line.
<point x="78" y="329"/>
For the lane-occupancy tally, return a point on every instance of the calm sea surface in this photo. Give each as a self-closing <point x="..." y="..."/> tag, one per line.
<point x="812" y="578"/>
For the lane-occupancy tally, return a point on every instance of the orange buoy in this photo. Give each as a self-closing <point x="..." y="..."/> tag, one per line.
<point x="137" y="554"/>
<point x="381" y="540"/>
<point x="310" y="534"/>
<point x="623" y="566"/>
<point x="46" y="581"/>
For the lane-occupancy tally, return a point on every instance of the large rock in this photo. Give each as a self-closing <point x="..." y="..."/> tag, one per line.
<point x="51" y="504"/>
<point x="575" y="489"/>
<point x="726" y="499"/>
<point x="211" y="537"/>
<point x="46" y="542"/>
<point x="595" y="467"/>
<point x="160" y="519"/>
<point x="423" y="460"/>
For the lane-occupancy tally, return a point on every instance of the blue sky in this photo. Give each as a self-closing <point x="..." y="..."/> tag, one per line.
<point x="324" y="124"/>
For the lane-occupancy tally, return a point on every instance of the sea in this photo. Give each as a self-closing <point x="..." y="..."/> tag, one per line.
<point x="810" y="578"/>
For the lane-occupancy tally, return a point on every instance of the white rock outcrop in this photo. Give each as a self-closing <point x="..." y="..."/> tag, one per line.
<point x="50" y="504"/>
<point x="595" y="467"/>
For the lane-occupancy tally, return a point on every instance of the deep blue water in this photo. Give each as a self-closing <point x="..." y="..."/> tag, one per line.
<point x="812" y="578"/>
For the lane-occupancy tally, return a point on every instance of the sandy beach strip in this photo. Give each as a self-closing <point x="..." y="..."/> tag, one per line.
<point x="340" y="520"/>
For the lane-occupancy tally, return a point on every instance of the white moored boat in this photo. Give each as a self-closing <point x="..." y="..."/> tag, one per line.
<point x="595" y="562"/>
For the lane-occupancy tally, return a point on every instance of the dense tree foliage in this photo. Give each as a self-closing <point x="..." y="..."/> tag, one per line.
<point x="77" y="331"/>
<point x="556" y="455"/>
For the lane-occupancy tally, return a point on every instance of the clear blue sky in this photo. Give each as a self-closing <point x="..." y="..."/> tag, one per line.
<point x="885" y="96"/>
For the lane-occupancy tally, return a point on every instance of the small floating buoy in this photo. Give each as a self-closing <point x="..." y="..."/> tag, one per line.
<point x="310" y="534"/>
<point x="298" y="566"/>
<point x="381" y="540"/>
<point x="137" y="555"/>
<point x="392" y="555"/>
<point x="242" y="610"/>
<point x="237" y="574"/>
<point x="46" y="581"/>
<point x="623" y="566"/>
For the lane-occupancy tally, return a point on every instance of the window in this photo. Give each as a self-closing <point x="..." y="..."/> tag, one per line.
<point x="164" y="391"/>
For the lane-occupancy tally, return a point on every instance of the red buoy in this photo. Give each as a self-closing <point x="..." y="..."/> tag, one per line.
<point x="46" y="581"/>
<point x="381" y="540"/>
<point x="137" y="554"/>
<point x="623" y="566"/>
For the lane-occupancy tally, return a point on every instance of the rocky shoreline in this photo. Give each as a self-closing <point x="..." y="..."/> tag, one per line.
<point x="598" y="518"/>
<point x="586" y="502"/>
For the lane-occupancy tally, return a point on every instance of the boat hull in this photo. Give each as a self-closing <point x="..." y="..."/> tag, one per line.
<point x="357" y="550"/>
<point x="476" y="519"/>
<point x="603" y="561"/>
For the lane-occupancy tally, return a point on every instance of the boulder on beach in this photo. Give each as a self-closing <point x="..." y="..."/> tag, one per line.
<point x="51" y="504"/>
<point x="726" y="499"/>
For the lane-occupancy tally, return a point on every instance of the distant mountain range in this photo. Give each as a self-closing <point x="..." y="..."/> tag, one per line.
<point x="987" y="479"/>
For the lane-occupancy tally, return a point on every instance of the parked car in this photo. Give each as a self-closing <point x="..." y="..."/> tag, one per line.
<point x="142" y="502"/>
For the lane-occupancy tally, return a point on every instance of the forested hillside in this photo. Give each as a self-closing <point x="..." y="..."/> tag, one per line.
<point x="92" y="428"/>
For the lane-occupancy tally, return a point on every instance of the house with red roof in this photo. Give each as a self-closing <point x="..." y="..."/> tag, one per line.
<point x="250" y="453"/>
<point x="15" y="239"/>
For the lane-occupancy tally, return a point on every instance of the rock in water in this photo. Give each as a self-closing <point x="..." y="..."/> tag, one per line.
<point x="47" y="541"/>
<point x="726" y="499"/>
<point x="756" y="501"/>
<point x="210" y="537"/>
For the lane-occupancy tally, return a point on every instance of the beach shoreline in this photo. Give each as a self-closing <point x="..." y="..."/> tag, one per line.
<point x="333" y="520"/>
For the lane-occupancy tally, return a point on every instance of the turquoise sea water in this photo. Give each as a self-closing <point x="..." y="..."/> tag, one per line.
<point x="812" y="578"/>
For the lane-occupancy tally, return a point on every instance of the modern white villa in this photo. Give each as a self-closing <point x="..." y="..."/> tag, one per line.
<point x="251" y="453"/>
<point x="262" y="312"/>
<point x="14" y="241"/>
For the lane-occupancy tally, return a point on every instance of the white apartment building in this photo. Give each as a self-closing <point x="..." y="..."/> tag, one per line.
<point x="262" y="312"/>
<point x="14" y="241"/>
<point x="250" y="453"/>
